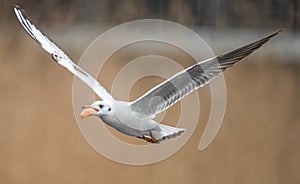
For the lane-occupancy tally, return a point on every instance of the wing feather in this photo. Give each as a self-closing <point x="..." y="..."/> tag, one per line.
<point x="177" y="87"/>
<point x="58" y="55"/>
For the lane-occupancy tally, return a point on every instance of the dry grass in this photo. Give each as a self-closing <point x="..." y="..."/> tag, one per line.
<point x="41" y="143"/>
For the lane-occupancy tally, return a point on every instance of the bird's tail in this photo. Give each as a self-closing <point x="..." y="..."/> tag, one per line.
<point x="168" y="132"/>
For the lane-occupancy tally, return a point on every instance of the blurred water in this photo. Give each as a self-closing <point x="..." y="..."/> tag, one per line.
<point x="284" y="46"/>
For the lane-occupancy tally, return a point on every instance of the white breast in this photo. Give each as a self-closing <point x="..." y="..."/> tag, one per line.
<point x="126" y="121"/>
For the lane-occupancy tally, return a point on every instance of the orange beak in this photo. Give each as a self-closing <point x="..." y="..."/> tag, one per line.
<point x="88" y="111"/>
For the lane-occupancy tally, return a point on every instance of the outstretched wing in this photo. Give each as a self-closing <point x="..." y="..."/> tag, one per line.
<point x="177" y="87"/>
<point x="59" y="56"/>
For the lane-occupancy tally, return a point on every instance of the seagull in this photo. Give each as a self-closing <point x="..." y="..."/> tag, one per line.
<point x="136" y="118"/>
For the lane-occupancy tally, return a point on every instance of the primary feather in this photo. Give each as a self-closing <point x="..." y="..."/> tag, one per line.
<point x="177" y="87"/>
<point x="59" y="56"/>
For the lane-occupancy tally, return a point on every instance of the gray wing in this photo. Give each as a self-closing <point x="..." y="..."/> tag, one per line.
<point x="59" y="56"/>
<point x="178" y="86"/>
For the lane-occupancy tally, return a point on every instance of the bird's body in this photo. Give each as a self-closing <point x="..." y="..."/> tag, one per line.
<point x="122" y="118"/>
<point x="136" y="118"/>
<point x="131" y="125"/>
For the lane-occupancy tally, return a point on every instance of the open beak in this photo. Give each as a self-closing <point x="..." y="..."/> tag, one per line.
<point x="88" y="111"/>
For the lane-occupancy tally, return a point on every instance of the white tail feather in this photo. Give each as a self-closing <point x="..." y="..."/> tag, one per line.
<point x="169" y="132"/>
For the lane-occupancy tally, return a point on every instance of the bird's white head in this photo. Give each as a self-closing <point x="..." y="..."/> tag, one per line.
<point x="98" y="108"/>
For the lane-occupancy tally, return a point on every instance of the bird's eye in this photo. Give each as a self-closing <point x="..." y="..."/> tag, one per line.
<point x="101" y="106"/>
<point x="109" y="109"/>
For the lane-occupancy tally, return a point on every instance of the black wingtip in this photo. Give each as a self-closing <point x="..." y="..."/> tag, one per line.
<point x="18" y="7"/>
<point x="276" y="32"/>
<point x="230" y="58"/>
<point x="268" y="37"/>
<point x="281" y="29"/>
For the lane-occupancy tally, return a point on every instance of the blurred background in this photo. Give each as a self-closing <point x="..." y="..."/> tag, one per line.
<point x="259" y="138"/>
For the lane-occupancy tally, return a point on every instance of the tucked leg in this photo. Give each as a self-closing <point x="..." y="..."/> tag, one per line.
<point x="151" y="139"/>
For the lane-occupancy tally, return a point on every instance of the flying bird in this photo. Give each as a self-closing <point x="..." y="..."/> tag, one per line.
<point x="136" y="118"/>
